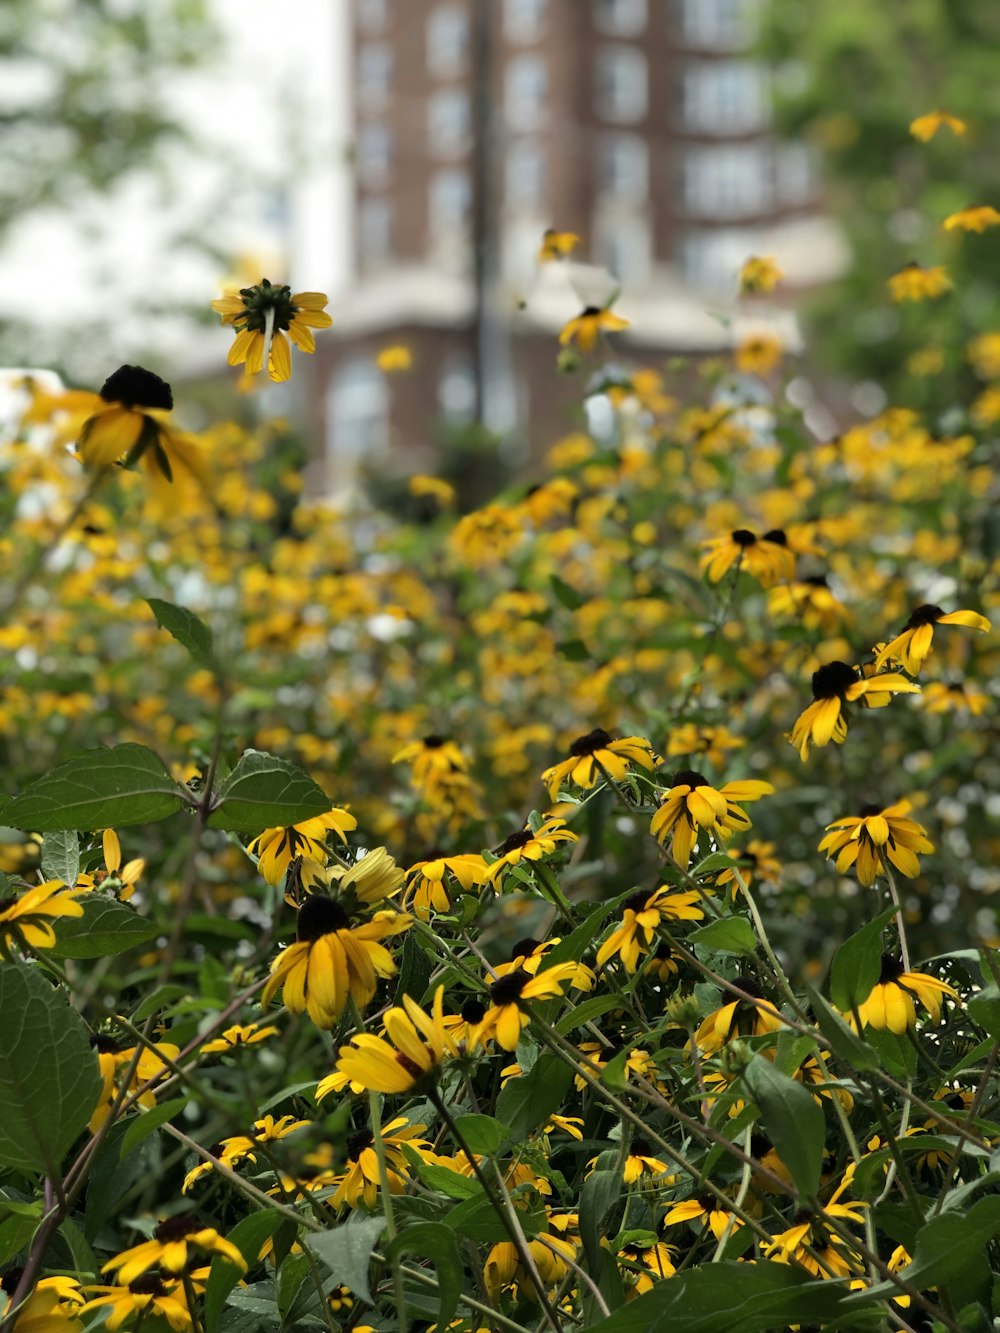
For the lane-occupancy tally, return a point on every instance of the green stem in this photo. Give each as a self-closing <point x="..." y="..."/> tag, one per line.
<point x="375" y="1115"/>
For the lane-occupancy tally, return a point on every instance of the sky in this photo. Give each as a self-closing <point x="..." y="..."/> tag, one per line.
<point x="272" y="113"/>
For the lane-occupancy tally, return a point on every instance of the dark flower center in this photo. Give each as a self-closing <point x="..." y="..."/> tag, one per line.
<point x="892" y="968"/>
<point x="816" y="581"/>
<point x="749" y="984"/>
<point x="776" y="536"/>
<point x="176" y="1228"/>
<point x="594" y="740"/>
<point x="869" y="809"/>
<point x="357" y="1143"/>
<point x="524" y="948"/>
<point x="134" y="386"/>
<point x="508" y="989"/>
<point x="519" y="839"/>
<point x="591" y="311"/>
<point x="637" y="902"/>
<point x="433" y="742"/>
<point x="640" y="1147"/>
<point x="147" y="1284"/>
<point x="924" y="615"/>
<point x="831" y="681"/>
<point x="473" y="1010"/>
<point x="257" y="301"/>
<point x="103" y="1044"/>
<point x="320" y="915"/>
<point x="743" y="537"/>
<point x="687" y="777"/>
<point x="9" y="1280"/>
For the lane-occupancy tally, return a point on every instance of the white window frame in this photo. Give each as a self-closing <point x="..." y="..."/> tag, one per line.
<point x="449" y="122"/>
<point x="374" y="75"/>
<point x="725" y="96"/>
<point x="623" y="166"/>
<point x="375" y="227"/>
<point x="525" y="176"/>
<point x="718" y="25"/>
<point x="449" y="202"/>
<point x="526" y="92"/>
<point x="621" y="18"/>
<point x="374" y="153"/>
<point x="357" y="418"/>
<point x="448" y="37"/>
<point x="525" y="21"/>
<point x="728" y="181"/>
<point x="622" y="92"/>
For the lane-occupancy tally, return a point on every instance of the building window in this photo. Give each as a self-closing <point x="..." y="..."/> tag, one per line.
<point x="711" y="260"/>
<point x="457" y="389"/>
<point x="374" y="154"/>
<point x="374" y="76"/>
<point x="725" y="96"/>
<point x="796" y="170"/>
<point x="447" y="41"/>
<point x="374" y="231"/>
<point x="450" y="201"/>
<point x="719" y="25"/>
<point x="524" y="20"/>
<point x="624" y="247"/>
<point x="449" y="122"/>
<point x="621" y="84"/>
<point x="526" y="92"/>
<point x="525" y="185"/>
<point x="727" y="182"/>
<point x="623" y="167"/>
<point x="373" y="15"/>
<point x="620" y="18"/>
<point x="357" y="419"/>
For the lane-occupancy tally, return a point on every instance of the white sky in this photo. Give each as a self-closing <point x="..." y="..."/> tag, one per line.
<point x="277" y="104"/>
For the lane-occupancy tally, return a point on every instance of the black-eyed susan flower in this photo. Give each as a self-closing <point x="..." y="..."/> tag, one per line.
<point x="916" y="283"/>
<point x="891" y="1002"/>
<point x="418" y="1043"/>
<point x="813" y="1244"/>
<point x="692" y="738"/>
<point x="238" y="1036"/>
<point x="373" y="878"/>
<point x="760" y="273"/>
<point x="955" y="696"/>
<point x="530" y="954"/>
<point x="261" y="316"/>
<point x="642" y="915"/>
<point x="360" y="1181"/>
<point x="549" y="1250"/>
<point x="876" y="839"/>
<point x="431" y="885"/>
<point x="596" y="756"/>
<point x="641" y="1164"/>
<point x="557" y="245"/>
<point x="644" y="1265"/>
<point x="834" y="686"/>
<point x="132" y="426"/>
<point x="432" y="757"/>
<point x="708" y="1211"/>
<point x="975" y="218"/>
<point x="114" y="875"/>
<point x="52" y="1305"/>
<point x="737" y="1018"/>
<point x="758" y="353"/>
<point x="766" y="558"/>
<point x="587" y="328"/>
<point x="26" y="920"/>
<point x="508" y="1014"/>
<point x="332" y="960"/>
<point x="276" y="848"/>
<point x="243" y="1147"/>
<point x="692" y="805"/>
<point x="912" y="644"/>
<point x="754" y="861"/>
<point x="925" y="127"/>
<point x="153" y="1063"/>
<point x="171" y="1248"/>
<point x="811" y="601"/>
<point x="528" y="845"/>
<point x="147" y="1295"/>
<point x="436" y="488"/>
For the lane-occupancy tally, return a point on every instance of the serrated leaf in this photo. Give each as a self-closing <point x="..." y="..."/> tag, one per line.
<point x="263" y="792"/>
<point x="186" y="628"/>
<point x="98" y="789"/>
<point x="528" y="1101"/>
<point x="347" y="1250"/>
<point x="141" y="1126"/>
<point x="49" y="1076"/>
<point x="61" y="855"/>
<point x="857" y="964"/>
<point x="107" y="927"/>
<point x="435" y="1241"/>
<point x="844" y="1042"/>
<point x="792" y="1120"/>
<point x="730" y="934"/>
<point x="248" y="1235"/>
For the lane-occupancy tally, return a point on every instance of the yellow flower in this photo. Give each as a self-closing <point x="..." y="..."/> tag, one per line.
<point x="830" y="1254"/>
<point x="331" y="960"/>
<point x="644" y="1265"/>
<point x="124" y="877"/>
<point x="132" y="426"/>
<point x="557" y="245"/>
<point x="146" y="1295"/>
<point x="427" y="881"/>
<point x="767" y="558"/>
<point x="235" y="1037"/>
<point x="169" y="1250"/>
<point x="955" y="696"/>
<point x="588" y="326"/>
<point x="640" y="1163"/>
<point x="641" y="918"/>
<point x="890" y="1003"/>
<point x="974" y="218"/>
<point x="719" y="1219"/>
<point x="834" y="686"/>
<point x="760" y="273"/>
<point x="419" y="1043"/>
<point x="925" y="127"/>
<point x="914" y="283"/>
<point x="360" y="1182"/>
<point x="874" y="838"/>
<point x="913" y="642"/>
<point x="260" y="315"/>
<point x="52" y="1305"/>
<point x="758" y="353"/>
<point x="371" y="879"/>
<point x="431" y="758"/>
<point x="25" y="921"/>
<point x="276" y="848"/>
<point x="505" y="1019"/>
<point x="394" y="358"/>
<point x="528" y="845"/>
<point x="691" y="805"/>
<point x="763" y="865"/>
<point x="442" y="491"/>
<point x="596" y="756"/>
<point x="740" y="1018"/>
<point x="984" y="355"/>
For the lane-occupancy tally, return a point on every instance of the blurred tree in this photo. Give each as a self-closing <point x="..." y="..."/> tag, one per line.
<point x="85" y="92"/>
<point x="850" y="77"/>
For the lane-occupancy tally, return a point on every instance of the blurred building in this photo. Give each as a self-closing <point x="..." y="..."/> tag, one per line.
<point x="641" y="125"/>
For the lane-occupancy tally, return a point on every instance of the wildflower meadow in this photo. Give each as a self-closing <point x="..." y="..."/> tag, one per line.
<point x="580" y="912"/>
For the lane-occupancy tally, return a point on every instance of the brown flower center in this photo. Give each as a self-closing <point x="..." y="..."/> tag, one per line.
<point x="832" y="681"/>
<point x="508" y="989"/>
<point x="320" y="915"/>
<point x="593" y="741"/>
<point x="134" y="386"/>
<point x="924" y="615"/>
<point x="519" y="839"/>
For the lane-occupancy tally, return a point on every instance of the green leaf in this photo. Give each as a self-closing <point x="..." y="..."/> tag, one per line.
<point x="614" y="1074"/>
<point x="601" y="1191"/>
<point x="107" y="788"/>
<point x="49" y="1077"/>
<point x="730" y="934"/>
<point x="528" y="1101"/>
<point x="347" y="1250"/>
<point x="589" y="1009"/>
<point x="141" y="1126"/>
<point x="106" y="927"/>
<point x="442" y="1178"/>
<point x="477" y="1219"/>
<point x="16" y="1231"/>
<point x="565" y="595"/>
<point x="248" y="1235"/>
<point x="894" y="1052"/>
<point x="844" y="1042"/>
<point x="435" y="1241"/>
<point x="857" y="964"/>
<point x="574" y="650"/>
<point x="793" y="1121"/>
<point x="482" y="1134"/>
<point x="159" y="999"/>
<point x="84" y="1259"/>
<point x="61" y="855"/>
<point x="714" y="862"/>
<point x="984" y="1009"/>
<point x="187" y="629"/>
<point x="263" y="792"/>
<point x="414" y="970"/>
<point x="740" y="1298"/>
